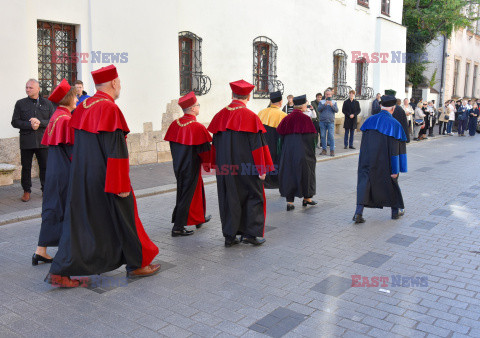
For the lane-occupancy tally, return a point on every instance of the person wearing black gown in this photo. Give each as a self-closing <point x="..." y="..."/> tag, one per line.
<point x="101" y="227"/>
<point x="59" y="139"/>
<point x="382" y="157"/>
<point x="473" y="119"/>
<point x="242" y="159"/>
<point x="271" y="118"/>
<point x="297" y="157"/>
<point x="401" y="117"/>
<point x="190" y="148"/>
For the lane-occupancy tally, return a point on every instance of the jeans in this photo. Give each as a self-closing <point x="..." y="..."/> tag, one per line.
<point x="440" y="124"/>
<point x="346" y="140"/>
<point x="26" y="157"/>
<point x="330" y="126"/>
<point x="449" y="126"/>
<point x="462" y="125"/>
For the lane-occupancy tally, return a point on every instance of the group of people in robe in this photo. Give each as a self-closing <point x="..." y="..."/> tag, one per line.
<point x="89" y="208"/>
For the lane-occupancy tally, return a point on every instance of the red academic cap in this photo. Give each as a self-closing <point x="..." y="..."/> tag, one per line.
<point x="104" y="74"/>
<point x="187" y="100"/>
<point x="59" y="92"/>
<point x="241" y="87"/>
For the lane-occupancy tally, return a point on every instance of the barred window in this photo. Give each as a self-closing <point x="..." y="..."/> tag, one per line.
<point x="57" y="59"/>
<point x="190" y="65"/>
<point x="340" y="88"/>
<point x="265" y="68"/>
<point x="467" y="79"/>
<point x="474" y="83"/>
<point x="363" y="92"/>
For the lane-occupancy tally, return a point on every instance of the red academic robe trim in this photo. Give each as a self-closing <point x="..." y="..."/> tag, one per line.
<point x="99" y="113"/>
<point x="236" y="117"/>
<point x="149" y="249"/>
<point x="196" y="213"/>
<point x="263" y="160"/>
<point x="58" y="130"/>
<point x="206" y="160"/>
<point x="187" y="131"/>
<point x="117" y="179"/>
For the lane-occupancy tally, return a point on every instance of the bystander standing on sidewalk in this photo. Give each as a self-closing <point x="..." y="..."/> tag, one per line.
<point x="288" y="108"/>
<point x="351" y="109"/>
<point x="419" y="123"/>
<point x="462" y="118"/>
<point x="451" y="118"/>
<point x="327" y="109"/>
<point x="81" y="93"/>
<point x="409" y="112"/>
<point x="473" y="119"/>
<point x="315" y="103"/>
<point x="376" y="104"/>
<point x="31" y="115"/>
<point x="443" y="115"/>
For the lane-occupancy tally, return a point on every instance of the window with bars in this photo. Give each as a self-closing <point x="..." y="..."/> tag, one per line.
<point x="386" y="7"/>
<point x="340" y="88"/>
<point x="190" y="65"/>
<point x="455" y="78"/>
<point x="363" y="92"/>
<point x="265" y="68"/>
<point x="467" y="79"/>
<point x="363" y="2"/>
<point x="57" y="59"/>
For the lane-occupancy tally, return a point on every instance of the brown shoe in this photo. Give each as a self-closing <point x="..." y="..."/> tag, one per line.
<point x="324" y="152"/>
<point x="332" y="153"/>
<point x="146" y="271"/>
<point x="25" y="197"/>
<point x="62" y="281"/>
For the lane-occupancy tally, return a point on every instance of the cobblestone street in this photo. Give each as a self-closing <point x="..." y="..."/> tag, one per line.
<point x="299" y="283"/>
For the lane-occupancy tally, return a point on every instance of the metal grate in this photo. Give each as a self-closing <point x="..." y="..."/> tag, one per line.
<point x="363" y="92"/>
<point x="386" y="7"/>
<point x="340" y="88"/>
<point x="190" y="58"/>
<point x="265" y="68"/>
<point x="57" y="59"/>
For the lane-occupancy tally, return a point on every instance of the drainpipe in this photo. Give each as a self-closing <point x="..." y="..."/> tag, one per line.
<point x="442" y="78"/>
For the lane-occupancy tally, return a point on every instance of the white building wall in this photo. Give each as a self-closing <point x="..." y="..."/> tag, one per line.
<point x="306" y="32"/>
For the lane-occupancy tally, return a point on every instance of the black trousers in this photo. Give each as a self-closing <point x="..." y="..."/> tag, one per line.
<point x="26" y="157"/>
<point x="440" y="124"/>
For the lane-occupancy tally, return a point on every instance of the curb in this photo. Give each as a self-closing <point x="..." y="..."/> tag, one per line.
<point x="26" y="215"/>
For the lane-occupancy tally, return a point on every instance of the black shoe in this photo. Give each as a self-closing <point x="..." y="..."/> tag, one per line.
<point x="38" y="258"/>
<point x="352" y="147"/>
<point x="254" y="240"/>
<point x="207" y="219"/>
<point x="358" y="219"/>
<point x="231" y="242"/>
<point x="183" y="232"/>
<point x="305" y="203"/>
<point x="396" y="216"/>
<point x="290" y="207"/>
<point x="345" y="147"/>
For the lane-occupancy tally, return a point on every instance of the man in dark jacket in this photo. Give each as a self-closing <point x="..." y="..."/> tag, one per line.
<point x="31" y="115"/>
<point x="351" y="109"/>
<point x="315" y="103"/>
<point x="376" y="104"/>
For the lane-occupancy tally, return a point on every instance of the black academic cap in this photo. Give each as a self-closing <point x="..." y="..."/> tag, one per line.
<point x="388" y="101"/>
<point x="299" y="100"/>
<point x="276" y="96"/>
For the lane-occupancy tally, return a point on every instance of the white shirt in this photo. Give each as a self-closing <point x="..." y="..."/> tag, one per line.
<point x="310" y="113"/>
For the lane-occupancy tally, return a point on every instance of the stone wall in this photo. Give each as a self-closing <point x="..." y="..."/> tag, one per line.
<point x="10" y="154"/>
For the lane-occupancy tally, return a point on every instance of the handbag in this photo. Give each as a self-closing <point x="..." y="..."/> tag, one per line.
<point x="446" y="117"/>
<point x="419" y="122"/>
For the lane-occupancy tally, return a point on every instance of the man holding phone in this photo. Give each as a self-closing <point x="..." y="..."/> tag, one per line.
<point x="327" y="109"/>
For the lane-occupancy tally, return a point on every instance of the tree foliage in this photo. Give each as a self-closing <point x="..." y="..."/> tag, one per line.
<point x="427" y="19"/>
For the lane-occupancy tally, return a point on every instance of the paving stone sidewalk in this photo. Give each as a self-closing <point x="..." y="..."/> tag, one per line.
<point x="299" y="284"/>
<point x="148" y="179"/>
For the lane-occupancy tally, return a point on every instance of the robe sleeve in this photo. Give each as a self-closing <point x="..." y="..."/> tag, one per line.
<point x="398" y="157"/>
<point x="204" y="152"/>
<point x="117" y="178"/>
<point x="261" y="153"/>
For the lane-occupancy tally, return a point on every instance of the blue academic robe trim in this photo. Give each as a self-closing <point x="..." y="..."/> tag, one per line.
<point x="386" y="124"/>
<point x="403" y="163"/>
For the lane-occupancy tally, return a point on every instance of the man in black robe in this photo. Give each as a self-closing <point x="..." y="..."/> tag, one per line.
<point x="297" y="159"/>
<point x="101" y="227"/>
<point x="190" y="147"/>
<point x="271" y="118"/>
<point x="382" y="157"/>
<point x="242" y="160"/>
<point x="400" y="116"/>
